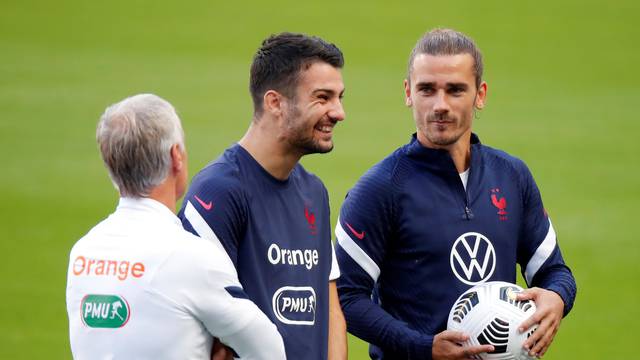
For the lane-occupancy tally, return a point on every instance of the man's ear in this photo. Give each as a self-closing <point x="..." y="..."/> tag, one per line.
<point x="481" y="97"/>
<point x="273" y="103"/>
<point x="177" y="158"/>
<point x="407" y="93"/>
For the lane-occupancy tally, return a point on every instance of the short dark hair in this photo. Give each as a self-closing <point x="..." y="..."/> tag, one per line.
<point x="280" y="59"/>
<point x="447" y="42"/>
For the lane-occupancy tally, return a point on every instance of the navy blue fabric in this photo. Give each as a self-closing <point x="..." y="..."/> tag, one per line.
<point x="412" y="208"/>
<point x="237" y="292"/>
<point x="278" y="235"/>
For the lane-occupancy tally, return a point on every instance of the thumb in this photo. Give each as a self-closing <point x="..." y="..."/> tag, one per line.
<point x="528" y="294"/>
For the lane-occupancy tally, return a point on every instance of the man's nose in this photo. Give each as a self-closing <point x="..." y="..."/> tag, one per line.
<point x="337" y="112"/>
<point x="441" y="105"/>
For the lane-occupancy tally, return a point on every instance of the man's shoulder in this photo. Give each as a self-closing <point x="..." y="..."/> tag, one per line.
<point x="383" y="179"/>
<point x="94" y="235"/>
<point x="188" y="265"/>
<point x="307" y="177"/>
<point x="387" y="171"/>
<point x="198" y="252"/>
<point x="222" y="173"/>
<point x="502" y="161"/>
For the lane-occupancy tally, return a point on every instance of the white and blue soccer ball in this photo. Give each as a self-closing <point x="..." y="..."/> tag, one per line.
<point x="490" y="314"/>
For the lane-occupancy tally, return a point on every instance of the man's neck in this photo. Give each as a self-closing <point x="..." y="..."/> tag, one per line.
<point x="270" y="151"/>
<point x="460" y="151"/>
<point x="461" y="156"/>
<point x="165" y="194"/>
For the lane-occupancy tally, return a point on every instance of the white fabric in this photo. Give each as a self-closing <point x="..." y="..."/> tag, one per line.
<point x="464" y="176"/>
<point x="335" y="269"/>
<point x="357" y="254"/>
<point x="541" y="255"/>
<point x="200" y="225"/>
<point x="176" y="297"/>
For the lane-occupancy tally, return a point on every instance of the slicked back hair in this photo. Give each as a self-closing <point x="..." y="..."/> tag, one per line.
<point x="278" y="63"/>
<point x="447" y="42"/>
<point x="135" y="137"/>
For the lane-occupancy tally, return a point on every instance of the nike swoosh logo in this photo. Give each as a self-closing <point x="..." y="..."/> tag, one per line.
<point x="359" y="235"/>
<point x="206" y="206"/>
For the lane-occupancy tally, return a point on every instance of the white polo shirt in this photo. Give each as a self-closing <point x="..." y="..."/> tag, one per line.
<point x="140" y="287"/>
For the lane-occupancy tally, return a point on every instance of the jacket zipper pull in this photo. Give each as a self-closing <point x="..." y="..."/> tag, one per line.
<point x="468" y="214"/>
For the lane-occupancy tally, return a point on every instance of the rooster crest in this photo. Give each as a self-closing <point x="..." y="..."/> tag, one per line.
<point x="501" y="204"/>
<point x="311" y="217"/>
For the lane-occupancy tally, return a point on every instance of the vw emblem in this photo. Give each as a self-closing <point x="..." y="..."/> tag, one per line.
<point x="473" y="258"/>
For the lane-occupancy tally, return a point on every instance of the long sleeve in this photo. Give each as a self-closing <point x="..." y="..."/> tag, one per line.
<point x="538" y="251"/>
<point x="211" y="292"/>
<point x="363" y="231"/>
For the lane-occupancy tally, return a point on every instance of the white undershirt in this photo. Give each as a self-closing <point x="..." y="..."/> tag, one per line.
<point x="464" y="176"/>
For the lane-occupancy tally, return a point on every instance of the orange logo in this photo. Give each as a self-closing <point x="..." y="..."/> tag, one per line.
<point x="120" y="269"/>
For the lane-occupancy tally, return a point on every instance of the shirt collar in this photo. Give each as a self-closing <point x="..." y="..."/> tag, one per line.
<point x="267" y="175"/>
<point x="148" y="205"/>
<point x="439" y="159"/>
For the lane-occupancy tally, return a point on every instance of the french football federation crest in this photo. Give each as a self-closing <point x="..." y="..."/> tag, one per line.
<point x="500" y="203"/>
<point x="311" y="220"/>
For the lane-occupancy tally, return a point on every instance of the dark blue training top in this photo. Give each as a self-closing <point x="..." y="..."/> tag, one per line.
<point x="412" y="239"/>
<point x="278" y="235"/>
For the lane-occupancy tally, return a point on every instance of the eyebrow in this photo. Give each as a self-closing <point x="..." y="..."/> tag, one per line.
<point x="330" y="91"/>
<point x="423" y="84"/>
<point x="458" y="84"/>
<point x="448" y="85"/>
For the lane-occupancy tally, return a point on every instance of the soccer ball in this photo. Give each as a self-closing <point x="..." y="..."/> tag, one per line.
<point x="490" y="314"/>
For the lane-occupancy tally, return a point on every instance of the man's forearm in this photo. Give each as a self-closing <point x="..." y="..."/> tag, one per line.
<point x="373" y="324"/>
<point x="337" y="326"/>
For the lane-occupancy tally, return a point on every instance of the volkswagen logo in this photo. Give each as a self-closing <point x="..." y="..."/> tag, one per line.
<point x="473" y="258"/>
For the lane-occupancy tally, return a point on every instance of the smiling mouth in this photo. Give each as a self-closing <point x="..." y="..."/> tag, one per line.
<point x="325" y="129"/>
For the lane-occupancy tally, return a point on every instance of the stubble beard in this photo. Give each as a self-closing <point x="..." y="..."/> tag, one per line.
<point x="448" y="136"/>
<point x="298" y="138"/>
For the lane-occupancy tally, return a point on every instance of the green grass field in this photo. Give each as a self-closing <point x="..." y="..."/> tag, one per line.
<point x="563" y="80"/>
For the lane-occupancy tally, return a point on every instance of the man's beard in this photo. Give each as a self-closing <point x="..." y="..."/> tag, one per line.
<point x="451" y="136"/>
<point x="298" y="138"/>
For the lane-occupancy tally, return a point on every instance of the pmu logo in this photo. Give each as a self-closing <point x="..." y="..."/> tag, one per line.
<point x="295" y="305"/>
<point x="104" y="311"/>
<point x="473" y="258"/>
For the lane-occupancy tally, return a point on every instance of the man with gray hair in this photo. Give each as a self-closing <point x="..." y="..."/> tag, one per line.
<point x="441" y="214"/>
<point x="138" y="285"/>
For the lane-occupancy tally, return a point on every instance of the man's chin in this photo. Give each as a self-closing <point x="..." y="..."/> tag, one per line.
<point x="442" y="138"/>
<point x="438" y="140"/>
<point x="318" y="148"/>
<point x="443" y="141"/>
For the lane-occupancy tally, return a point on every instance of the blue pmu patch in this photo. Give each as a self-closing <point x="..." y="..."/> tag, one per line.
<point x="295" y="305"/>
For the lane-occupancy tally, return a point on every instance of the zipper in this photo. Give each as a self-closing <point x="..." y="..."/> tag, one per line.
<point x="468" y="214"/>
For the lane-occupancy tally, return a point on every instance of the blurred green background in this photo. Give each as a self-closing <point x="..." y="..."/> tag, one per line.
<point x="563" y="80"/>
